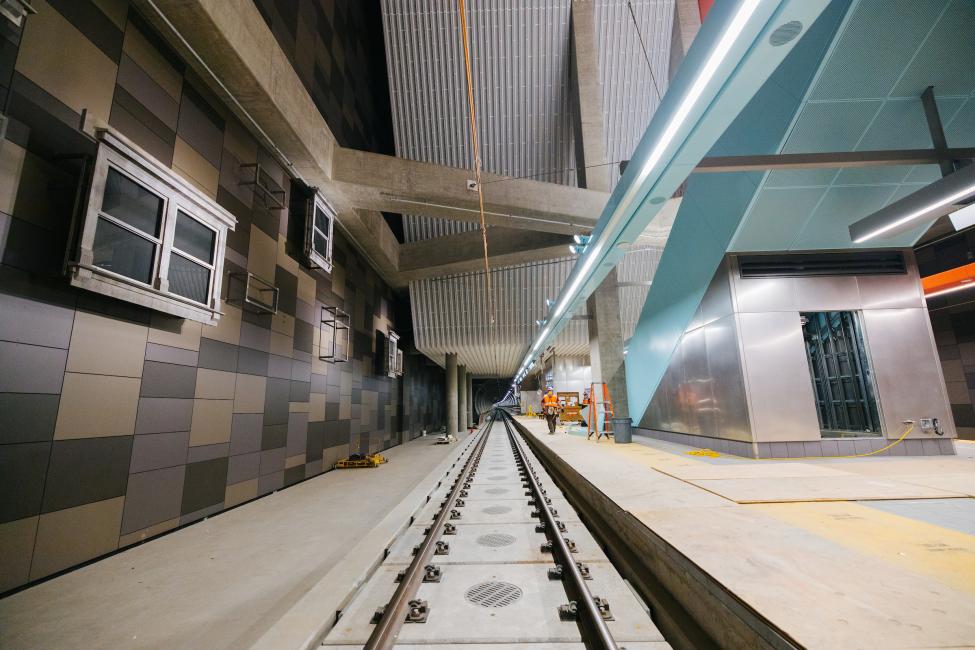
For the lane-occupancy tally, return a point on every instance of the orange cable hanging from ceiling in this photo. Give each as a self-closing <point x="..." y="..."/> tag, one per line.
<point x="477" y="154"/>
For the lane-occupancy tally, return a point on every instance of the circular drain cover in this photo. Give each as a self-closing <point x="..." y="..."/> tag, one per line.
<point x="493" y="594"/>
<point x="497" y="478"/>
<point x="496" y="510"/>
<point x="497" y="491"/>
<point x="495" y="540"/>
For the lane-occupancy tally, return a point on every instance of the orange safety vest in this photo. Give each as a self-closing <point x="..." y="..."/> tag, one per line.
<point x="550" y="400"/>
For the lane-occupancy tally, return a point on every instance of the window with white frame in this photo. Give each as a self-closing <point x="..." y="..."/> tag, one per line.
<point x="392" y="354"/>
<point x="148" y="237"/>
<point x="319" y="218"/>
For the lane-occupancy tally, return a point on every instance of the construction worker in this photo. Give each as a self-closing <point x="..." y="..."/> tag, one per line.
<point x="550" y="407"/>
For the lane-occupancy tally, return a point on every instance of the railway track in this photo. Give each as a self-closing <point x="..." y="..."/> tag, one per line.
<point x="497" y="558"/>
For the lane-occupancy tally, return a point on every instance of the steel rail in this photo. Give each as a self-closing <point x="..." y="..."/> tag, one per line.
<point x="590" y="616"/>
<point x="385" y="634"/>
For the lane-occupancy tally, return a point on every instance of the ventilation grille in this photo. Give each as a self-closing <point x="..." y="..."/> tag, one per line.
<point x="496" y="510"/>
<point x="770" y="266"/>
<point x="493" y="594"/>
<point x="496" y="540"/>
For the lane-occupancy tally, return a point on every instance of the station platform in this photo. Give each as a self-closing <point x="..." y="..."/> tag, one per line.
<point x="269" y="573"/>
<point x="845" y="553"/>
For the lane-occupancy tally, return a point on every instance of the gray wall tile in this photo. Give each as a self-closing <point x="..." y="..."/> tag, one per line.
<point x="86" y="470"/>
<point x="217" y="355"/>
<point x="25" y="417"/>
<point x="252" y="362"/>
<point x="167" y="354"/>
<point x="274" y="436"/>
<point x="205" y="484"/>
<point x="244" y="467"/>
<point x="152" y="497"/>
<point x="164" y="414"/>
<point x="31" y="368"/>
<point x="158" y="450"/>
<point x="276" y="396"/>
<point x="270" y="482"/>
<point x="297" y="433"/>
<point x="255" y="337"/>
<point x="246" y="432"/>
<point x="208" y="452"/>
<point x="22" y="469"/>
<point x="34" y="322"/>
<point x="279" y="367"/>
<point x="300" y="391"/>
<point x="168" y="380"/>
<point x="272" y="460"/>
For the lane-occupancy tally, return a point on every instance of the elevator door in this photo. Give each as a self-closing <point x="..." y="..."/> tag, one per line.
<point x="841" y="376"/>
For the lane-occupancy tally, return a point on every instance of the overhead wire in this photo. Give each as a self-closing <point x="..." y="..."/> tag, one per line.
<point x="643" y="46"/>
<point x="477" y="171"/>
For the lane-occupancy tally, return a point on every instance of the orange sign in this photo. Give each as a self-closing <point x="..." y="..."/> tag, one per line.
<point x="949" y="281"/>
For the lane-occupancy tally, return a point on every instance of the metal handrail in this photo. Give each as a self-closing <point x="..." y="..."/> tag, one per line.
<point x="590" y="616"/>
<point x="385" y="633"/>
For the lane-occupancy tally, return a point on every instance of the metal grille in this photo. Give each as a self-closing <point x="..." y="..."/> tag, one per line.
<point x="497" y="491"/>
<point x="840" y="373"/>
<point x="496" y="540"/>
<point x="493" y="594"/>
<point x="496" y="510"/>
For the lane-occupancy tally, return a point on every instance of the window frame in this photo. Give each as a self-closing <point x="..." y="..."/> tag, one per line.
<point x="115" y="152"/>
<point x="315" y="201"/>
<point x="392" y="356"/>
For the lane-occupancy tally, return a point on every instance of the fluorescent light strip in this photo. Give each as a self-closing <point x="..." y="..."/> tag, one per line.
<point x="917" y="214"/>
<point x="962" y="287"/>
<point x="697" y="89"/>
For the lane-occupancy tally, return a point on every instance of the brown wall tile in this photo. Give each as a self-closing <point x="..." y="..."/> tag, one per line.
<point x="97" y="405"/>
<point x="67" y="537"/>
<point x="92" y="333"/>
<point x="211" y="421"/>
<point x="16" y="549"/>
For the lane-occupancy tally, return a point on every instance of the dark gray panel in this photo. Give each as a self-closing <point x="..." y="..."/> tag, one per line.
<point x="287" y="284"/>
<point x="200" y="126"/>
<point x="297" y="433"/>
<point x="315" y="441"/>
<point x="217" y="355"/>
<point x="31" y="368"/>
<point x="274" y="436"/>
<point x="164" y="414"/>
<point x="158" y="450"/>
<point x="300" y="391"/>
<point x="22" y="470"/>
<point x="270" y="482"/>
<point x="300" y="370"/>
<point x="153" y="497"/>
<point x="168" y="380"/>
<point x="25" y="417"/>
<point x="255" y="337"/>
<point x="279" y="367"/>
<point x="252" y="362"/>
<point x="86" y="470"/>
<point x="208" y="452"/>
<point x="246" y="431"/>
<point x="303" y="336"/>
<point x="204" y="485"/>
<point x="244" y="467"/>
<point x="32" y="321"/>
<point x="276" y="396"/>
<point x="317" y="383"/>
<point x="147" y="92"/>
<point x="272" y="460"/>
<point x="125" y="117"/>
<point x="294" y="474"/>
<point x="167" y="354"/>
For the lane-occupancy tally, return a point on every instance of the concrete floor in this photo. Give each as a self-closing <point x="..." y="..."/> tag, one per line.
<point x="265" y="573"/>
<point x="874" y="552"/>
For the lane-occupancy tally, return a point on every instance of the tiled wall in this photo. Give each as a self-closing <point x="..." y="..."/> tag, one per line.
<point x="337" y="49"/>
<point x="118" y="423"/>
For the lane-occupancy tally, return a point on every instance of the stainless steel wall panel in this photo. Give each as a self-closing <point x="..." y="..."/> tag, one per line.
<point x="781" y="400"/>
<point x="695" y="392"/>
<point x="763" y="294"/>
<point x="906" y="369"/>
<point x="831" y="293"/>
<point x="717" y="301"/>
<point x="892" y="291"/>
<point x="730" y="404"/>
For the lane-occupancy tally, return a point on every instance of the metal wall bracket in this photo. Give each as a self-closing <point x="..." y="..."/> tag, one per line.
<point x="333" y="323"/>
<point x="253" y="294"/>
<point x="266" y="187"/>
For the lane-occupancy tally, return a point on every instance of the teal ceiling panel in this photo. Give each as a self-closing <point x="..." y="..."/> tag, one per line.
<point x="923" y="174"/>
<point x="775" y="217"/>
<point x="877" y="43"/>
<point x="893" y="175"/>
<point x="828" y="226"/>
<point x="831" y="126"/>
<point x="945" y="59"/>
<point x="800" y="178"/>
<point x="901" y="124"/>
<point x="960" y="130"/>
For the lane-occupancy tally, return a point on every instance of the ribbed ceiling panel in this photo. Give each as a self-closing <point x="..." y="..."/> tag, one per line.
<point x="520" y="66"/>
<point x="448" y="316"/>
<point x="638" y="266"/>
<point x="630" y="92"/>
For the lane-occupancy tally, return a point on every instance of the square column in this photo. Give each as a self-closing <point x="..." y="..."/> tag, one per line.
<point x="462" y="401"/>
<point x="450" y="379"/>
<point x="606" y="342"/>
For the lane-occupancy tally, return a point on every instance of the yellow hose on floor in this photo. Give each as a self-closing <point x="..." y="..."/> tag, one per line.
<point x="713" y="454"/>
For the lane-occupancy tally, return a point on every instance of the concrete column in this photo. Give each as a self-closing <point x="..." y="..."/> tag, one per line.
<point x="451" y="393"/>
<point x="606" y="342"/>
<point x="587" y="95"/>
<point x="470" y="400"/>
<point x="462" y="401"/>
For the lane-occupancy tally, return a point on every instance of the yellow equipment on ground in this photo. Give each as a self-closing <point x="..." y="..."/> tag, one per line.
<point x="361" y="460"/>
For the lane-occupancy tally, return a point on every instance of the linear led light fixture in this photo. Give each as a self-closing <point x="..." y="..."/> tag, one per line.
<point x="927" y="204"/>
<point x="612" y="227"/>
